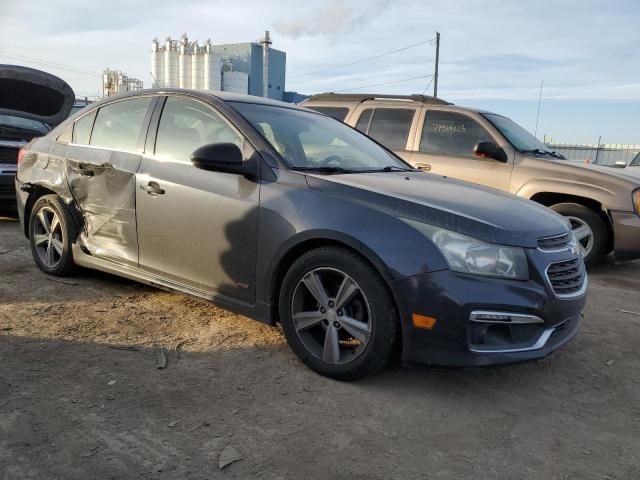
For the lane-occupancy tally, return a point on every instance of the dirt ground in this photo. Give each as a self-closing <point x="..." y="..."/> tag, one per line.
<point x="81" y="396"/>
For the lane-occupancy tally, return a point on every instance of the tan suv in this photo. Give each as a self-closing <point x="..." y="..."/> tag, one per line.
<point x="482" y="147"/>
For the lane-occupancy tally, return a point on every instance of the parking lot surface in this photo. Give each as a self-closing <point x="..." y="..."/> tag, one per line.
<point x="81" y="394"/>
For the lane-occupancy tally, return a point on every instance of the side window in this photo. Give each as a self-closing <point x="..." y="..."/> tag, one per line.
<point x="339" y="113"/>
<point x="186" y="125"/>
<point x="390" y="127"/>
<point x="82" y="129"/>
<point x="363" y="121"/>
<point x="66" y="135"/>
<point x="119" y="125"/>
<point x="451" y="133"/>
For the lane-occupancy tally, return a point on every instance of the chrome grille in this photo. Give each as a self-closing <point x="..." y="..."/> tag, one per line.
<point x="556" y="242"/>
<point x="9" y="155"/>
<point x="567" y="277"/>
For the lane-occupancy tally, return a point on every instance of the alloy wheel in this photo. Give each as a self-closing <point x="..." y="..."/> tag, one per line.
<point x="48" y="237"/>
<point x="331" y="315"/>
<point x="583" y="233"/>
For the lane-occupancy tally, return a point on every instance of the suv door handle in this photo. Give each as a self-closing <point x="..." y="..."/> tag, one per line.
<point x="424" y="166"/>
<point x="152" y="188"/>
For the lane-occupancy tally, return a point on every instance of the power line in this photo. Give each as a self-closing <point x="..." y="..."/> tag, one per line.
<point x="385" y="83"/>
<point x="430" y="41"/>
<point x="47" y="63"/>
<point x="428" y="85"/>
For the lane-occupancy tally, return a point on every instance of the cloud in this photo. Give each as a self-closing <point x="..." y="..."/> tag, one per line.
<point x="330" y="20"/>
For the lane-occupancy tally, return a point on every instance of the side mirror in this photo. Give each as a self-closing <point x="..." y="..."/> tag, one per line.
<point x="490" y="150"/>
<point x="219" y="157"/>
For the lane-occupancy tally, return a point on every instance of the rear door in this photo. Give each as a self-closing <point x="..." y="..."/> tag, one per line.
<point x="444" y="145"/>
<point x="196" y="227"/>
<point x="390" y="126"/>
<point x="101" y="163"/>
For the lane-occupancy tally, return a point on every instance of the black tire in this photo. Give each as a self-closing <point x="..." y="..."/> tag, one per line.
<point x="383" y="321"/>
<point x="593" y="220"/>
<point x="67" y="231"/>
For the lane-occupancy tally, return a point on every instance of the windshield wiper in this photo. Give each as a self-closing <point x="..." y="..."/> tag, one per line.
<point x="389" y="168"/>
<point x="323" y="169"/>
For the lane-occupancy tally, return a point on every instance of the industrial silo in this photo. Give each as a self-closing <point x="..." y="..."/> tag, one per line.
<point x="212" y="64"/>
<point x="157" y="64"/>
<point x="184" y="63"/>
<point x="197" y="70"/>
<point x="170" y="64"/>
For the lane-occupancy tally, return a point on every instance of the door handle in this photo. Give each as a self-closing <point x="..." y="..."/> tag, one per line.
<point x="424" y="166"/>
<point x="152" y="188"/>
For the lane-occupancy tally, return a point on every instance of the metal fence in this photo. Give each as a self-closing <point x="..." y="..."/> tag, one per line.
<point x="599" y="153"/>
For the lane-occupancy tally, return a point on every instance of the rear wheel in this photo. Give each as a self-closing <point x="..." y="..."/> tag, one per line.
<point x="589" y="229"/>
<point x="51" y="228"/>
<point x="337" y="314"/>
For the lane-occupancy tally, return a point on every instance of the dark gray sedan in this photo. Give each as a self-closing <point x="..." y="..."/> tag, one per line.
<point x="286" y="215"/>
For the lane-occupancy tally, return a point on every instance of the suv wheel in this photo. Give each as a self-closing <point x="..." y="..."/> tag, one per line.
<point x="51" y="228"/>
<point x="337" y="314"/>
<point x="588" y="228"/>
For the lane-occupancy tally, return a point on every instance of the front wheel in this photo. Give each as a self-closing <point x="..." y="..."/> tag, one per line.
<point x="337" y="314"/>
<point x="51" y="228"/>
<point x="589" y="229"/>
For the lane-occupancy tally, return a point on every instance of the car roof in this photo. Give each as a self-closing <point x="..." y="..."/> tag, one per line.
<point x="224" y="96"/>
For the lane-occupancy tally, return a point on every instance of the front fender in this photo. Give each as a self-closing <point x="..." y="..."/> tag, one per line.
<point x="600" y="194"/>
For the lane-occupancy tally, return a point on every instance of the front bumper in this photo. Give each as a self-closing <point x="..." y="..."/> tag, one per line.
<point x="451" y="298"/>
<point x="626" y="235"/>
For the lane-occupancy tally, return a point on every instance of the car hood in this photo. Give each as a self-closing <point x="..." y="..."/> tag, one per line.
<point x="34" y="94"/>
<point x="467" y="208"/>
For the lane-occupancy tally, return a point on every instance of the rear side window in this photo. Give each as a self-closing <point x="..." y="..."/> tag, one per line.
<point x="186" y="125"/>
<point x="363" y="121"/>
<point x="339" y="113"/>
<point x="450" y="133"/>
<point x="389" y="126"/>
<point x="82" y="129"/>
<point x="119" y="125"/>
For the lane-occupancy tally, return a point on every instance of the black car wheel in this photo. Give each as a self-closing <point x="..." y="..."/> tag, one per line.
<point x="51" y="228"/>
<point x="589" y="229"/>
<point x="337" y="314"/>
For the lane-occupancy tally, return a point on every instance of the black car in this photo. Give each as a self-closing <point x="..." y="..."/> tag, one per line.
<point x="285" y="215"/>
<point x="31" y="102"/>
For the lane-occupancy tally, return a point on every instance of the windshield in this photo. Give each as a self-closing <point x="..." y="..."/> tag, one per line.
<point x="23" y="123"/>
<point x="307" y="140"/>
<point x="517" y="136"/>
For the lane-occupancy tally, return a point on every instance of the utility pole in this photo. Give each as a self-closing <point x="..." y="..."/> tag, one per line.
<point x="435" y="74"/>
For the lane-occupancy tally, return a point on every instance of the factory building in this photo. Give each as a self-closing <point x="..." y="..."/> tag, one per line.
<point x="252" y="68"/>
<point x="115" y="81"/>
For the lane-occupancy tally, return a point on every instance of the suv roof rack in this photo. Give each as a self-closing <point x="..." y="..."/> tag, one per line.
<point x="363" y="97"/>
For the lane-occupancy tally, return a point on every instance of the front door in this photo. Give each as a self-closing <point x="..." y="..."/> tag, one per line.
<point x="196" y="227"/>
<point x="445" y="146"/>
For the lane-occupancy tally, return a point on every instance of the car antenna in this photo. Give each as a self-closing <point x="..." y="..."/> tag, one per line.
<point x="535" y="132"/>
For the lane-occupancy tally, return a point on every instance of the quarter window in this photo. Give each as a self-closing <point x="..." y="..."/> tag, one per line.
<point x="119" y="125"/>
<point x="186" y="125"/>
<point x="389" y="126"/>
<point x="363" y="121"/>
<point x="66" y="135"/>
<point x="449" y="133"/>
<point x="82" y="129"/>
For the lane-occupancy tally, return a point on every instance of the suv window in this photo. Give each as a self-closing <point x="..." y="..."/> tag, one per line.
<point x="82" y="129"/>
<point x="186" y="125"/>
<point x="451" y="133"/>
<point x="363" y="121"/>
<point x="389" y="126"/>
<point x="339" y="113"/>
<point x="118" y="126"/>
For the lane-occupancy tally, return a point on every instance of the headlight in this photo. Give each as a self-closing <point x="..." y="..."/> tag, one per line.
<point x="469" y="255"/>
<point x="636" y="200"/>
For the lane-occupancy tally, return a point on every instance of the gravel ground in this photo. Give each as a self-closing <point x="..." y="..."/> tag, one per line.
<point x="81" y="396"/>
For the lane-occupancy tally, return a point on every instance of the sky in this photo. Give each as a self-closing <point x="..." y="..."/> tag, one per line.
<point x="493" y="55"/>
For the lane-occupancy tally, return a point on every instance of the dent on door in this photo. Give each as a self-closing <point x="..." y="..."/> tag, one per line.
<point x="104" y="189"/>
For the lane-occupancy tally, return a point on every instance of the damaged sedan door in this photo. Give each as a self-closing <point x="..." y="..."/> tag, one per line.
<point x="102" y="160"/>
